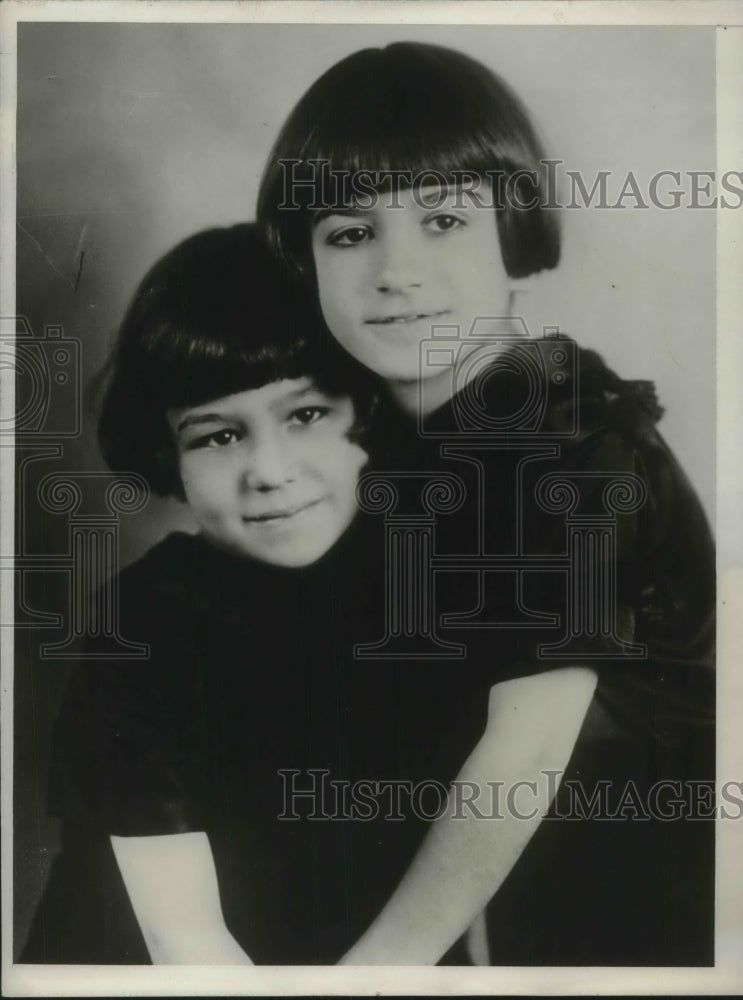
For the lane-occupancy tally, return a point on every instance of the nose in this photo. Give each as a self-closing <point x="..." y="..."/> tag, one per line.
<point x="269" y="463"/>
<point x="399" y="263"/>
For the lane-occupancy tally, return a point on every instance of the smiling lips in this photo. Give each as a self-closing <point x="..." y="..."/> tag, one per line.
<point x="402" y="318"/>
<point x="281" y="516"/>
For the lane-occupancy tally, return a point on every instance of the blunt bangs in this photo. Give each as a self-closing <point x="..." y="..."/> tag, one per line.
<point x="403" y="116"/>
<point x="193" y="358"/>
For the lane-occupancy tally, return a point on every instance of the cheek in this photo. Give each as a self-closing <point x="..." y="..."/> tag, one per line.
<point x="334" y="308"/>
<point x="358" y="460"/>
<point x="355" y="463"/>
<point x="337" y="278"/>
<point x="204" y="488"/>
<point x="189" y="482"/>
<point x="340" y="469"/>
<point x="324" y="275"/>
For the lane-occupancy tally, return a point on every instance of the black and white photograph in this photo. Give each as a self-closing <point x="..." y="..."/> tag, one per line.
<point x="369" y="449"/>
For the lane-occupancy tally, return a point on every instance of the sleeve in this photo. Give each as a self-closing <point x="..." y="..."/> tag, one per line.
<point x="632" y="586"/>
<point x="657" y="572"/>
<point x="666" y="580"/>
<point x="129" y="741"/>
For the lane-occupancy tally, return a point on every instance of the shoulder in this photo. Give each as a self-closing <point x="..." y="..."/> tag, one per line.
<point x="616" y="430"/>
<point x="552" y="390"/>
<point x="583" y="393"/>
<point x="153" y="586"/>
<point x="142" y="671"/>
<point x="551" y="387"/>
<point x="608" y="423"/>
<point x="185" y="575"/>
<point x="621" y="417"/>
<point x="159" y="600"/>
<point x="184" y="597"/>
<point x="169" y="559"/>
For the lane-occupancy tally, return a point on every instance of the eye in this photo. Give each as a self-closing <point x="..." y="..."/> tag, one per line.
<point x="444" y="223"/>
<point x="351" y="236"/>
<point x="306" y="415"/>
<point x="216" y="439"/>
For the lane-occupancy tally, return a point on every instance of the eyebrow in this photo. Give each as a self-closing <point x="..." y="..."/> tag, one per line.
<point x="195" y="419"/>
<point x="442" y="191"/>
<point x="350" y="210"/>
<point x="295" y="394"/>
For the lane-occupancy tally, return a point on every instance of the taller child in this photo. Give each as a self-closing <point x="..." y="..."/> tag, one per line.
<point x="410" y="189"/>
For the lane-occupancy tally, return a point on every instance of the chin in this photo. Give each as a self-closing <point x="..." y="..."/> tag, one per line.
<point x="293" y="560"/>
<point x="398" y="373"/>
<point x="296" y="555"/>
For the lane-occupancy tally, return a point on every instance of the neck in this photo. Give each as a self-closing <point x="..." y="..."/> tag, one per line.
<point x="423" y="396"/>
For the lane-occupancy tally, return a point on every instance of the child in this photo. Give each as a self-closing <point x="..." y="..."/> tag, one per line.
<point x="249" y="792"/>
<point x="408" y="187"/>
<point x="169" y="768"/>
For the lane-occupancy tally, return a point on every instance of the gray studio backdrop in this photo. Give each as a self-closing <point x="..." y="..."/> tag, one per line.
<point x="130" y="137"/>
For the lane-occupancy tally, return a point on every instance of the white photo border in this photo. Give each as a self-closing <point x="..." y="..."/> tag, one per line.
<point x="727" y="975"/>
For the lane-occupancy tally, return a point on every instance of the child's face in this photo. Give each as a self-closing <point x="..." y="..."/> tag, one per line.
<point x="270" y="473"/>
<point x="386" y="275"/>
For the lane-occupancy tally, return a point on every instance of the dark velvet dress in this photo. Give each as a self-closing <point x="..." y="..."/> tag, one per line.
<point x="315" y="768"/>
<point x="601" y="556"/>
<point x="251" y="720"/>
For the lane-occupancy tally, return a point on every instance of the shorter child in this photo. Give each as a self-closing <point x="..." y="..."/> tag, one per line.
<point x="220" y="393"/>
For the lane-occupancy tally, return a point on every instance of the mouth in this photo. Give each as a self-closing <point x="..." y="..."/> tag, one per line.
<point x="402" y="319"/>
<point x="280" y="515"/>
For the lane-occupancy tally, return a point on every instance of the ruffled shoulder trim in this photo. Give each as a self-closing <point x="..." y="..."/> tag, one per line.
<point x="630" y="406"/>
<point x="640" y="392"/>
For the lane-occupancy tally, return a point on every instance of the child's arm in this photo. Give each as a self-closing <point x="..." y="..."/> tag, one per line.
<point x="172" y="885"/>
<point x="532" y="727"/>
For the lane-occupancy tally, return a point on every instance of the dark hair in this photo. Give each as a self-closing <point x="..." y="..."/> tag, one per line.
<point x="410" y="108"/>
<point x="216" y="315"/>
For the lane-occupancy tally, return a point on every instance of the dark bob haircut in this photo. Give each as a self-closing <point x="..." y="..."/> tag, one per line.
<point x="215" y="316"/>
<point x="409" y="109"/>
